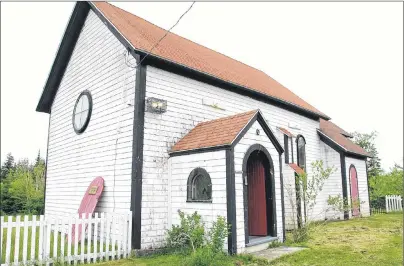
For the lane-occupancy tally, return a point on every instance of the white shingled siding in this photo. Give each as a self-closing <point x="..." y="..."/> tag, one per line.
<point x="332" y="187"/>
<point x="97" y="64"/>
<point x="249" y="139"/>
<point x="181" y="166"/>
<point x="289" y="197"/>
<point x="189" y="102"/>
<point x="289" y="184"/>
<point x="360" y="166"/>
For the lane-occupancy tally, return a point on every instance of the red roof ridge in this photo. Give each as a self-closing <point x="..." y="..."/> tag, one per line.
<point x="227" y="117"/>
<point x="172" y="33"/>
<point x="143" y="35"/>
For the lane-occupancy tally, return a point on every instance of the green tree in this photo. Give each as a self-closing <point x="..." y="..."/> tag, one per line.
<point x="367" y="142"/>
<point x="39" y="159"/>
<point x="7" y="166"/>
<point x="22" y="190"/>
<point x="387" y="184"/>
<point x="26" y="187"/>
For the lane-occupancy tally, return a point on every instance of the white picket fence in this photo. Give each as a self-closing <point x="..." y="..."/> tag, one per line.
<point x="105" y="236"/>
<point x="393" y="203"/>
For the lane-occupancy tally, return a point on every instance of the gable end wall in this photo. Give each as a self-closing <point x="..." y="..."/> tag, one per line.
<point x="97" y="64"/>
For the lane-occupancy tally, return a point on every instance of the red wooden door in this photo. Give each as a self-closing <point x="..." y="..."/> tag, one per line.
<point x="257" y="209"/>
<point x="354" y="191"/>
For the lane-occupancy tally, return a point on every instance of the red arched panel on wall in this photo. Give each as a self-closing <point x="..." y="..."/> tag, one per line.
<point x="89" y="202"/>
<point x="354" y="190"/>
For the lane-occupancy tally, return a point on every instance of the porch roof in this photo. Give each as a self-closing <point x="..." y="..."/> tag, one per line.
<point x="222" y="132"/>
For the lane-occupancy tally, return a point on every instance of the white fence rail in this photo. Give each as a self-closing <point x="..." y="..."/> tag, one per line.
<point x="44" y="240"/>
<point x="393" y="203"/>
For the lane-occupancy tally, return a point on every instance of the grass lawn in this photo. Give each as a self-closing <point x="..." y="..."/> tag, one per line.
<point x="36" y="250"/>
<point x="376" y="240"/>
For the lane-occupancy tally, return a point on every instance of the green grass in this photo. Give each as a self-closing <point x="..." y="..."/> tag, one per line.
<point x="376" y="240"/>
<point x="51" y="253"/>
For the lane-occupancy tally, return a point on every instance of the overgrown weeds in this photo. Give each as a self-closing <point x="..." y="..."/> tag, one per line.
<point x="202" y="248"/>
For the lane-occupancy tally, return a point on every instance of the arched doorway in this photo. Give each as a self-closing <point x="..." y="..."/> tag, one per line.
<point x="259" y="194"/>
<point x="354" y="191"/>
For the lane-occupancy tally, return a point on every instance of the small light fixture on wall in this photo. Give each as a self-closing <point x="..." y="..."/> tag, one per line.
<point x="257" y="131"/>
<point x="154" y="105"/>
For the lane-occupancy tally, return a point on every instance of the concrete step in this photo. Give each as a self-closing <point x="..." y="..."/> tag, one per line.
<point x="259" y="244"/>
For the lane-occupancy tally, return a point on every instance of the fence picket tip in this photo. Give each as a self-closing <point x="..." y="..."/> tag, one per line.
<point x="112" y="230"/>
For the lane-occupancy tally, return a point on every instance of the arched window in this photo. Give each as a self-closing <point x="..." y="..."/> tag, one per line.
<point x="301" y="152"/>
<point x="199" y="186"/>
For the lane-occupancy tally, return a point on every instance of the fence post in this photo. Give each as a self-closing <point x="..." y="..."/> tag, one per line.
<point x="387" y="203"/>
<point x="112" y="230"/>
<point x="17" y="239"/>
<point x="1" y="235"/>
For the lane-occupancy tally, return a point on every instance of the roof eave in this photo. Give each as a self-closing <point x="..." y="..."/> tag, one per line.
<point x="152" y="58"/>
<point x="196" y="150"/>
<point x="63" y="55"/>
<point x="341" y="148"/>
<point x="71" y="36"/>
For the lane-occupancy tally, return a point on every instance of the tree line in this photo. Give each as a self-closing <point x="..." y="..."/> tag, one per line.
<point x="22" y="186"/>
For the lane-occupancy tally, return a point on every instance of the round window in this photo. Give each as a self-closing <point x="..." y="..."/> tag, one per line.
<point x="82" y="112"/>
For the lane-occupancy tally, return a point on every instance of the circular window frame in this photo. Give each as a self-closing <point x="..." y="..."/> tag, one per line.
<point x="90" y="109"/>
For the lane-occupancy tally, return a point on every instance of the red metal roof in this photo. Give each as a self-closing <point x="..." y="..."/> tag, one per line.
<point x="143" y="35"/>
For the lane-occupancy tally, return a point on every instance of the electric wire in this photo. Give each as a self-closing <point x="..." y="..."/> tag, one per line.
<point x="158" y="42"/>
<point x="126" y="60"/>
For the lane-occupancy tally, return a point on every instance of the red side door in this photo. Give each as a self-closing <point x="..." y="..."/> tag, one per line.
<point x="257" y="213"/>
<point x="354" y="191"/>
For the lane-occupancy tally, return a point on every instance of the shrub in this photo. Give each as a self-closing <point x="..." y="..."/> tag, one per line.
<point x="190" y="234"/>
<point x="300" y="235"/>
<point x="217" y="234"/>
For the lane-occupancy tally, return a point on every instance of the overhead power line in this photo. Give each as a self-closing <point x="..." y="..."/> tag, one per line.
<point x="168" y="31"/>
